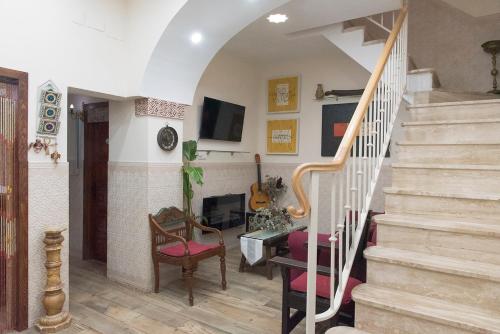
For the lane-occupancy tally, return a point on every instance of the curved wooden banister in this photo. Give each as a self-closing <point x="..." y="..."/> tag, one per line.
<point x="353" y="129"/>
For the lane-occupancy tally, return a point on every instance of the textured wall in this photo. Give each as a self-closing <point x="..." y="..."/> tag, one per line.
<point x="47" y="209"/>
<point x="447" y="39"/>
<point x="136" y="189"/>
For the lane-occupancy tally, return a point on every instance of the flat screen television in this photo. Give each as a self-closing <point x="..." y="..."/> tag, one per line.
<point x="221" y="120"/>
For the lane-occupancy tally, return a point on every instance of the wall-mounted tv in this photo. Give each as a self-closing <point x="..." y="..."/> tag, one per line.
<point x="221" y="120"/>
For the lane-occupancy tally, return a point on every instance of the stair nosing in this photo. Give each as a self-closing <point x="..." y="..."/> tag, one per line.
<point x="454" y="103"/>
<point x="422" y="70"/>
<point x="374" y="42"/>
<point x="447" y="265"/>
<point x="451" y="122"/>
<point x="403" y="165"/>
<point x="392" y="305"/>
<point x="353" y="28"/>
<point x="411" y="192"/>
<point x="440" y="223"/>
<point x="412" y="143"/>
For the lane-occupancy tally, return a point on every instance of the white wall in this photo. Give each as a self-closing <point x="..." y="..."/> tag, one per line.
<point x="230" y="79"/>
<point x="447" y="39"/>
<point x="76" y="43"/>
<point x="335" y="70"/>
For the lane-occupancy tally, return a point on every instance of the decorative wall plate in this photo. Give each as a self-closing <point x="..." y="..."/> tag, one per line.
<point x="167" y="138"/>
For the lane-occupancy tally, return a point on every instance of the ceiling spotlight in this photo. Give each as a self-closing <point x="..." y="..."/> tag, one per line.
<point x="196" y="38"/>
<point x="277" y="18"/>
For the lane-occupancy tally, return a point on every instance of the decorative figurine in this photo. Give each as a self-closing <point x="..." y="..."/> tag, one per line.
<point x="320" y="93"/>
<point x="55" y="156"/>
<point x="38" y="146"/>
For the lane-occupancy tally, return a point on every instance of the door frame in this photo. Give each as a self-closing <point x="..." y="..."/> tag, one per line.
<point x="21" y="184"/>
<point x="87" y="184"/>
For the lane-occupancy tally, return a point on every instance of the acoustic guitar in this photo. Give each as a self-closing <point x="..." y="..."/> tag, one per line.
<point x="258" y="198"/>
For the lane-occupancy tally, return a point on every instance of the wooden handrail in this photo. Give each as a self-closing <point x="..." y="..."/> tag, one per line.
<point x="353" y="129"/>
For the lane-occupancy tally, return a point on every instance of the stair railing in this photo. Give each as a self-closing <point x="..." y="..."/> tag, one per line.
<point x="355" y="168"/>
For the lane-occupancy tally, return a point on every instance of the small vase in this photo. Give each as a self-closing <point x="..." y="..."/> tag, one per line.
<point x="320" y="93"/>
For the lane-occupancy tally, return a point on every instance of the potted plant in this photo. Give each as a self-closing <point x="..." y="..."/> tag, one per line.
<point x="190" y="174"/>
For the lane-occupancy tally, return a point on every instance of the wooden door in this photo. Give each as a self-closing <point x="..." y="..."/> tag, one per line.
<point x="13" y="200"/>
<point x="95" y="181"/>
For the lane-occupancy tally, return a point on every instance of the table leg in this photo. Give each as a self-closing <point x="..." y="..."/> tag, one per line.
<point x="269" y="265"/>
<point x="242" y="263"/>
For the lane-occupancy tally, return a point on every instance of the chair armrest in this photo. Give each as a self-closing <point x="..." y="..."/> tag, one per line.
<point x="322" y="244"/>
<point x="158" y="230"/>
<point x="207" y="229"/>
<point x="296" y="264"/>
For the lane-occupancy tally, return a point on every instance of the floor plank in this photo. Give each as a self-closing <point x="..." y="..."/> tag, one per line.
<point x="250" y="305"/>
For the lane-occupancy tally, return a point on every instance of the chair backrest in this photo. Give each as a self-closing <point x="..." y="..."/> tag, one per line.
<point x="173" y="221"/>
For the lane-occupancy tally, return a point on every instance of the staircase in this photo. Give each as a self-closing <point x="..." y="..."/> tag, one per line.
<point x="436" y="266"/>
<point x="352" y="41"/>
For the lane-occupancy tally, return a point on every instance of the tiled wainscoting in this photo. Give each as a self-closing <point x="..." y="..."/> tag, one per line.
<point x="135" y="190"/>
<point x="48" y="188"/>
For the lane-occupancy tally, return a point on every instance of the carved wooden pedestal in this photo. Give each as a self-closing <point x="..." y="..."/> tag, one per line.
<point x="54" y="298"/>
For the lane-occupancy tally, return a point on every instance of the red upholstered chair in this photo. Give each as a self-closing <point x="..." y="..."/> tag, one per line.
<point x="171" y="242"/>
<point x="295" y="278"/>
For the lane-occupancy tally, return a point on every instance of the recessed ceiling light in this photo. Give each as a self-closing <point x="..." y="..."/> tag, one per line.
<point x="277" y="18"/>
<point x="196" y="38"/>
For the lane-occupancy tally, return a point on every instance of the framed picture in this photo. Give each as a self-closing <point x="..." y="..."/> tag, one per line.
<point x="283" y="136"/>
<point x="335" y="120"/>
<point x="283" y="95"/>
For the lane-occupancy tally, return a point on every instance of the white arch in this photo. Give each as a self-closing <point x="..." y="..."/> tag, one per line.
<point x="176" y="64"/>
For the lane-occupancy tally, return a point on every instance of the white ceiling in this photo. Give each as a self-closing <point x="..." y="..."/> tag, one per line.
<point x="476" y="8"/>
<point x="264" y="42"/>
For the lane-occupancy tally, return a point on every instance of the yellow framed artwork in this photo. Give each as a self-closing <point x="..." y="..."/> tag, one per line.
<point x="283" y="136"/>
<point x="283" y="95"/>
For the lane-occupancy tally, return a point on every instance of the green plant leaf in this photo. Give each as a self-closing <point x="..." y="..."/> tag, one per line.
<point x="189" y="149"/>
<point x="195" y="174"/>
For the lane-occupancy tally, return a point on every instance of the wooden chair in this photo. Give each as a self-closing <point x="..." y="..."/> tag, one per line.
<point x="294" y="274"/>
<point x="172" y="226"/>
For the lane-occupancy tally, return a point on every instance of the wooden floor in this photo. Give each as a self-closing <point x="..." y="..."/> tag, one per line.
<point x="250" y="305"/>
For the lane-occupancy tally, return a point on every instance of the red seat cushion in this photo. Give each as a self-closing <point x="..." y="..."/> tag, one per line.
<point x="194" y="248"/>
<point x="323" y="286"/>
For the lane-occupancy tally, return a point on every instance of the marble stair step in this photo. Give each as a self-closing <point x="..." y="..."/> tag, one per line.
<point x="383" y="310"/>
<point x="404" y="201"/>
<point x="453" y="131"/>
<point x="446" y="177"/>
<point x="344" y="330"/>
<point x="461" y="238"/>
<point x="438" y="95"/>
<point x="455" y="280"/>
<point x="478" y="109"/>
<point x="477" y="153"/>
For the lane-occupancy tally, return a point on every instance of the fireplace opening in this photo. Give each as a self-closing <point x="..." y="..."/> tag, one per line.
<point x="223" y="212"/>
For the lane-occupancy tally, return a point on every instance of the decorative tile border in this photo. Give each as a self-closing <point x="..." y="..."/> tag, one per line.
<point x="159" y="108"/>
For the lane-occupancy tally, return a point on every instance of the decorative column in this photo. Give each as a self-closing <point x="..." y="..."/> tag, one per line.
<point x="53" y="301"/>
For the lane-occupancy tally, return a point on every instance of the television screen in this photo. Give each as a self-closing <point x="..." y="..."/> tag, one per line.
<point x="221" y="120"/>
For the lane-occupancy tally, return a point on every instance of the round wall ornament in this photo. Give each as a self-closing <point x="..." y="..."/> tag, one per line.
<point x="167" y="138"/>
